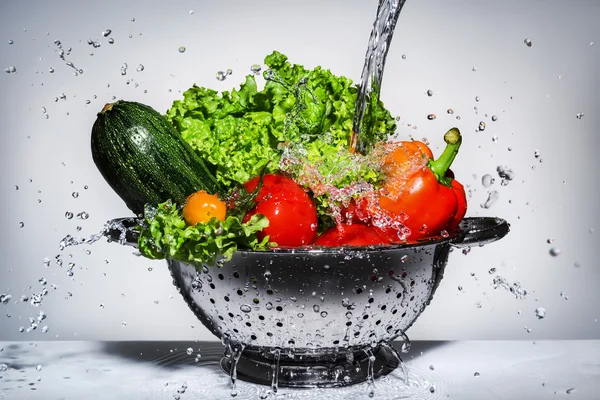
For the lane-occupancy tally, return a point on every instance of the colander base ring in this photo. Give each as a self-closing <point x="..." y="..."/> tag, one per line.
<point x="314" y="370"/>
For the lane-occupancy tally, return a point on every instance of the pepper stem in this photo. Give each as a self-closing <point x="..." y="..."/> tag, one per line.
<point x="440" y="166"/>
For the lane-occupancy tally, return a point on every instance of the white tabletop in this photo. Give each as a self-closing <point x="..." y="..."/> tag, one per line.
<point x="479" y="370"/>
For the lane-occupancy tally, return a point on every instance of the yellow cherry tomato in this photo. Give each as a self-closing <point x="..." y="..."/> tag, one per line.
<point x="201" y="207"/>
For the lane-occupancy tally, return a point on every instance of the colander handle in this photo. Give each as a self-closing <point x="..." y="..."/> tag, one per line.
<point x="126" y="225"/>
<point x="481" y="231"/>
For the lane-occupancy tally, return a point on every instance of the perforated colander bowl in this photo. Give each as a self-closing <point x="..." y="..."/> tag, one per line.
<point x="314" y="317"/>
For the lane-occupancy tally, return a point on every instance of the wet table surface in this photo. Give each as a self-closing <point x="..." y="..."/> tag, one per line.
<point x="479" y="370"/>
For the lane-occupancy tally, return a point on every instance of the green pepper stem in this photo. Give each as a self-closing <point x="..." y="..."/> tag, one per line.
<point x="440" y="166"/>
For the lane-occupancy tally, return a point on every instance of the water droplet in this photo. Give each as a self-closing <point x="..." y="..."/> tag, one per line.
<point x="430" y="93"/>
<point x="316" y="308"/>
<point x="404" y="56"/>
<point x="323" y="314"/>
<point x="229" y="71"/>
<point x="506" y="174"/>
<point x="106" y="32"/>
<point x="189" y="351"/>
<point x="221" y="76"/>
<point x="494" y="118"/>
<point x="432" y="389"/>
<point x="481" y="126"/>
<point x="140" y="68"/>
<point x="476" y="374"/>
<point x="124" y="69"/>
<point x="51" y="70"/>
<point x="21" y="224"/>
<point x="476" y="99"/>
<point x="578" y="116"/>
<point x="101" y="306"/>
<point x="255" y="69"/>
<point x="123" y="324"/>
<point x="191" y="12"/>
<point x="45" y="329"/>
<point x="5" y="298"/>
<point x="564" y="295"/>
<point x="555" y="251"/>
<point x="527" y="41"/>
<point x="38" y="368"/>
<point x="450" y="111"/>
<point x="431" y="117"/>
<point x="181" y="49"/>
<point x="83" y="215"/>
<point x="487" y="180"/>
<point x="75" y="195"/>
<point x="460" y="288"/>
<point x="492" y="198"/>
<point x="10" y="41"/>
<point x="431" y="367"/>
<point x="111" y="41"/>
<point x="550" y="240"/>
<point x="245" y="308"/>
<point x="10" y="69"/>
<point x="68" y="215"/>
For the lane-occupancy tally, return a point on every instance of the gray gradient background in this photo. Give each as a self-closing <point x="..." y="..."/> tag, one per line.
<point x="535" y="91"/>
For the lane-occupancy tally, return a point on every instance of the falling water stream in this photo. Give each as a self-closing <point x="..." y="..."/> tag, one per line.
<point x="235" y="358"/>
<point x="275" y="367"/>
<point x="372" y="74"/>
<point x="370" y="373"/>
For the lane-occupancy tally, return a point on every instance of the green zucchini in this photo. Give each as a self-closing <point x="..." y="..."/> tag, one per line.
<point x="143" y="158"/>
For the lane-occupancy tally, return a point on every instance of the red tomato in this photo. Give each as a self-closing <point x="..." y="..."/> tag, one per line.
<point x="351" y="235"/>
<point x="291" y="212"/>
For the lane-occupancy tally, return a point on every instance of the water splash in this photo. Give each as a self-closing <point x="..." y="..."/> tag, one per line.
<point x="62" y="54"/>
<point x="515" y="288"/>
<point x="119" y="230"/>
<point x="401" y="364"/>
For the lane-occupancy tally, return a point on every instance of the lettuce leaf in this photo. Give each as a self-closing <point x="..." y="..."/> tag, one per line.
<point x="240" y="132"/>
<point x="166" y="235"/>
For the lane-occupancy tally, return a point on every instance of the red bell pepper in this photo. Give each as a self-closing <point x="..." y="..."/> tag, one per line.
<point x="430" y="199"/>
<point x="419" y="193"/>
<point x="351" y="235"/>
